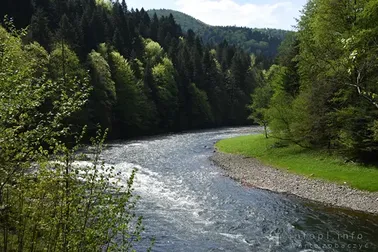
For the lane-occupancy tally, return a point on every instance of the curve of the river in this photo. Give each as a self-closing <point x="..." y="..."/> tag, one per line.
<point x="189" y="205"/>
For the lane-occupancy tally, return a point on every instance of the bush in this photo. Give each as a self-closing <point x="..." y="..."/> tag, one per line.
<point x="48" y="200"/>
<point x="63" y="205"/>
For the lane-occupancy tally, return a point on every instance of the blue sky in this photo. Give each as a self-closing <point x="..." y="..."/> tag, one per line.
<point x="250" y="13"/>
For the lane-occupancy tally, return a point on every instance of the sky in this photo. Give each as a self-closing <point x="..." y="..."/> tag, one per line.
<point x="248" y="13"/>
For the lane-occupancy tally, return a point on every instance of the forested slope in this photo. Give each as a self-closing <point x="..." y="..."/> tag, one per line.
<point x="146" y="76"/>
<point x="323" y="92"/>
<point x="186" y="21"/>
<point x="252" y="40"/>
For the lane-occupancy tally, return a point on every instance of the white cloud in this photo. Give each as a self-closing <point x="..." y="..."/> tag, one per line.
<point x="228" y="12"/>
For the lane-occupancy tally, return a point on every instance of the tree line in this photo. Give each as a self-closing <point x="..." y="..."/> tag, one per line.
<point x="260" y="42"/>
<point x="145" y="75"/>
<point x="322" y="93"/>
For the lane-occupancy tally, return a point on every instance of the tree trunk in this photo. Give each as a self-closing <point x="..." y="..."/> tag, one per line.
<point x="265" y="130"/>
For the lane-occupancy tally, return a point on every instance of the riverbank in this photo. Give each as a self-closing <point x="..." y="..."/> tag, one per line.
<point x="264" y="174"/>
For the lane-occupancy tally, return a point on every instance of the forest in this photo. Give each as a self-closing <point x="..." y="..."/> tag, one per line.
<point x="322" y="91"/>
<point x="186" y="21"/>
<point x="145" y="74"/>
<point x="85" y="72"/>
<point x="260" y="42"/>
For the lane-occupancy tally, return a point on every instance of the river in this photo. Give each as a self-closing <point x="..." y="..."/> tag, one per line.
<point x="189" y="205"/>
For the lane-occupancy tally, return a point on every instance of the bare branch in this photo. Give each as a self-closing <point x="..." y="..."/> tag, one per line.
<point x="362" y="93"/>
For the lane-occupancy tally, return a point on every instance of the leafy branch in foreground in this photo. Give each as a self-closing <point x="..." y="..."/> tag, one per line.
<point x="65" y="205"/>
<point x="48" y="200"/>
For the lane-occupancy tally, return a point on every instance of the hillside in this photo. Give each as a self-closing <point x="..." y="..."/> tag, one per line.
<point x="252" y="40"/>
<point x="185" y="21"/>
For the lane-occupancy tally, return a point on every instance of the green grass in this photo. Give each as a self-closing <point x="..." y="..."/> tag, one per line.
<point x="302" y="161"/>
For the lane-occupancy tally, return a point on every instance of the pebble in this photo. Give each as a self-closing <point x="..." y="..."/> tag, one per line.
<point x="278" y="180"/>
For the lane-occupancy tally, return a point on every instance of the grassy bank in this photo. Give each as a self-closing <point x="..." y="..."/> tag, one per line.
<point x="302" y="161"/>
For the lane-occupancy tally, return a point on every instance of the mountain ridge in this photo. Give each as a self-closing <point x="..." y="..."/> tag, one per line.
<point x="259" y="41"/>
<point x="176" y="14"/>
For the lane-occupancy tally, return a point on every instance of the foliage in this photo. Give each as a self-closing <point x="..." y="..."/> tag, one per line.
<point x="63" y="59"/>
<point x="324" y="96"/>
<point x="146" y="87"/>
<point x="201" y="110"/>
<point x="167" y="92"/>
<point x="48" y="201"/>
<point x="68" y="206"/>
<point x="103" y="96"/>
<point x="153" y="51"/>
<point x="260" y="103"/>
<point x="130" y="109"/>
<point x="26" y="94"/>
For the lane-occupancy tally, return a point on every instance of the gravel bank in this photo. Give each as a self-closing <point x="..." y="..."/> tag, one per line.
<point x="253" y="173"/>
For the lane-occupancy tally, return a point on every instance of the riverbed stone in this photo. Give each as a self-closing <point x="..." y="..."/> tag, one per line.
<point x="251" y="172"/>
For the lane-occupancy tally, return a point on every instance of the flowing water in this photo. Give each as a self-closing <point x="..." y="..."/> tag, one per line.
<point x="189" y="205"/>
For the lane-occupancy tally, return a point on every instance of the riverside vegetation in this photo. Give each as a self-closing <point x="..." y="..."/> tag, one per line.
<point x="48" y="201"/>
<point x="322" y="94"/>
<point x="318" y="103"/>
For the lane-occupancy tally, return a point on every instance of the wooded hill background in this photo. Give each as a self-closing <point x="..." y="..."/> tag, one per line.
<point x="147" y="75"/>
